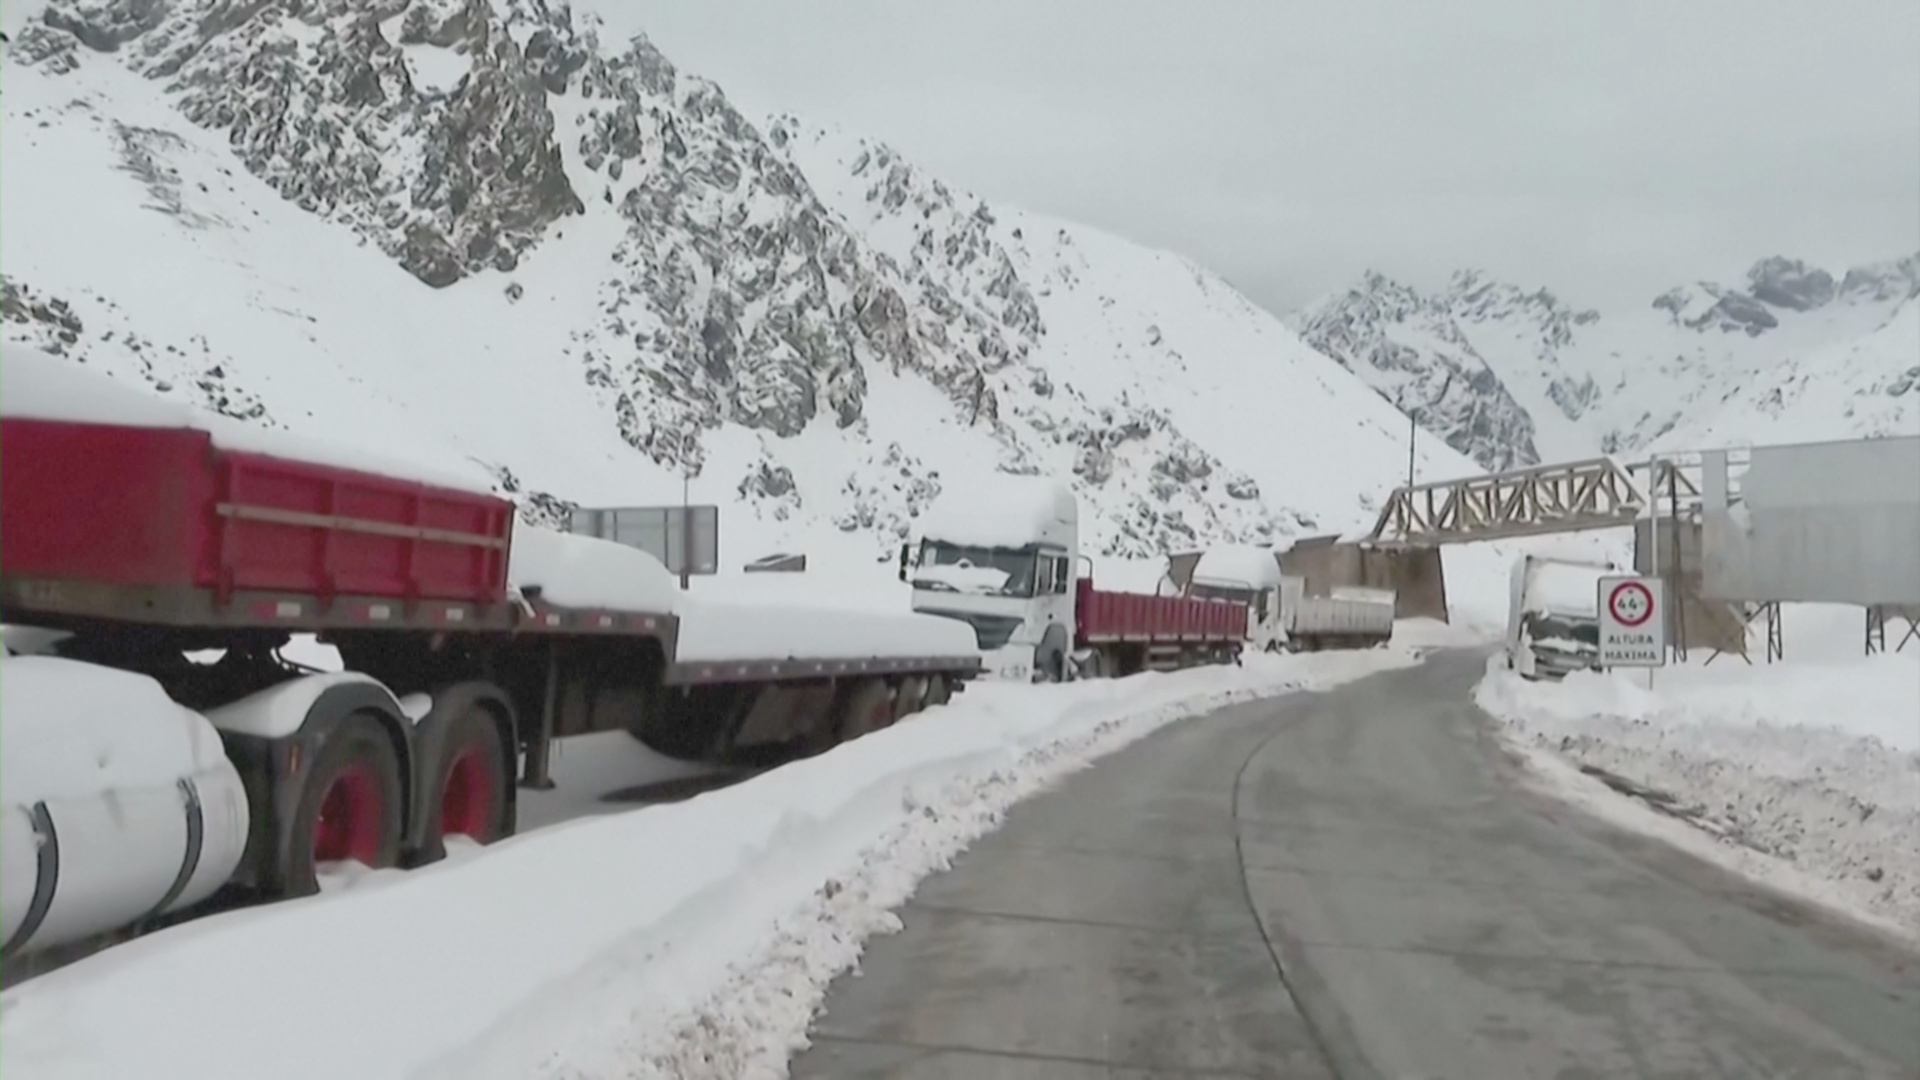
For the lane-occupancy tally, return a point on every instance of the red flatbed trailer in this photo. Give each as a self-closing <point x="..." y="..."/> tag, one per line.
<point x="1128" y="632"/>
<point x="145" y="543"/>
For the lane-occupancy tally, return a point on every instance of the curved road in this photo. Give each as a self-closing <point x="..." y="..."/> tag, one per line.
<point x="1351" y="885"/>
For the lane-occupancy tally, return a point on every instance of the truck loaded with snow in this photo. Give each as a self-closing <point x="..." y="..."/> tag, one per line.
<point x="1553" y="616"/>
<point x="1004" y="560"/>
<point x="160" y="754"/>
<point x="1280" y="615"/>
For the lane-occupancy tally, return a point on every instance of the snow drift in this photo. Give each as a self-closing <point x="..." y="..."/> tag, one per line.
<point x="688" y="940"/>
<point x="1816" y="765"/>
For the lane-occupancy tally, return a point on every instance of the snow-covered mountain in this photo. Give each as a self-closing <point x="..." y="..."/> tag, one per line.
<point x="1513" y="376"/>
<point x="470" y="231"/>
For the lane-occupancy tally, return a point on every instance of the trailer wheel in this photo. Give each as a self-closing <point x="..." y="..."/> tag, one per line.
<point x="350" y="805"/>
<point x="939" y="691"/>
<point x="911" y="697"/>
<point x="869" y="707"/>
<point x="469" y="796"/>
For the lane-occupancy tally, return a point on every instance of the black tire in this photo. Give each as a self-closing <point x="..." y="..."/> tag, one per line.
<point x="472" y="746"/>
<point x="911" y="697"/>
<point x="868" y="708"/>
<point x="357" y="748"/>
<point x="939" y="691"/>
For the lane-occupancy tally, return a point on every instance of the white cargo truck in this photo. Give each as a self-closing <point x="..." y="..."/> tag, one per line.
<point x="1003" y="556"/>
<point x="1249" y="575"/>
<point x="1350" y="618"/>
<point x="1553" y="616"/>
<point x="1280" y="614"/>
<point x="1003" y="562"/>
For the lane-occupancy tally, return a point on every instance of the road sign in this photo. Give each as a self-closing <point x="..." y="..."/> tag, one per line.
<point x="1633" y="622"/>
<point x="668" y="533"/>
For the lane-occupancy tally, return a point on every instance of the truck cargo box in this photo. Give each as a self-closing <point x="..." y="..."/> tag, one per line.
<point x="1136" y="617"/>
<point x="166" y="509"/>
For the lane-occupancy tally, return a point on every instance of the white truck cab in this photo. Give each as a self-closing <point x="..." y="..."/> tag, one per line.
<point x="1002" y="559"/>
<point x="1249" y="575"/>
<point x="1553" y="616"/>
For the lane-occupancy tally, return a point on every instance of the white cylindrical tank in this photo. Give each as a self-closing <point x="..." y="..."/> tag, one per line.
<point x="116" y="804"/>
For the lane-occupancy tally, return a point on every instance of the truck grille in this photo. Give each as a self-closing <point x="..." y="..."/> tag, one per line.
<point x="992" y="631"/>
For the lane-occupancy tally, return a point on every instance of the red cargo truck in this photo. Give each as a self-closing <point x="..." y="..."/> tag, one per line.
<point x="138" y="535"/>
<point x="1121" y="633"/>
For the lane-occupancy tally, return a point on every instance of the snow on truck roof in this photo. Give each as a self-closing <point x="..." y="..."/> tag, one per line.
<point x="1239" y="564"/>
<point x="1005" y="511"/>
<point x="587" y="572"/>
<point x="36" y="385"/>
<point x="1561" y="588"/>
<point x="735" y="630"/>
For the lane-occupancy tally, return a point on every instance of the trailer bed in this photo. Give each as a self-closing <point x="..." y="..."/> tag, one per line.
<point x="160" y="525"/>
<point x="1118" y="617"/>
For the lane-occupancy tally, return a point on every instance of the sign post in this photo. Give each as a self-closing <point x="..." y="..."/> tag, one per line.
<point x="1633" y="622"/>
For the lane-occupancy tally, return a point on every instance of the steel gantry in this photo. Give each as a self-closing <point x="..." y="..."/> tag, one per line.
<point x="1594" y="494"/>
<point x="1598" y="493"/>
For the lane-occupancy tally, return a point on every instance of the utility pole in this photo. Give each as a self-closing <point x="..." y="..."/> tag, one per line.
<point x="686" y="529"/>
<point x="1413" y="436"/>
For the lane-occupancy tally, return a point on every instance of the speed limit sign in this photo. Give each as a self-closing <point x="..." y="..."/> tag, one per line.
<point x="1633" y="622"/>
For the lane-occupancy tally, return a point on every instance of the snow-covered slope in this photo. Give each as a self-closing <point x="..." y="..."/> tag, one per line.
<point x="1792" y="355"/>
<point x="464" y="229"/>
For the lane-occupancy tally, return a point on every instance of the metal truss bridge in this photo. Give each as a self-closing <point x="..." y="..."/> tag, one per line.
<point x="1598" y="493"/>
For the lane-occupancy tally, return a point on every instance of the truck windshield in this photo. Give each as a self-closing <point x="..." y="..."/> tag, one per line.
<point x="1239" y="594"/>
<point x="1555" y="628"/>
<point x="988" y="571"/>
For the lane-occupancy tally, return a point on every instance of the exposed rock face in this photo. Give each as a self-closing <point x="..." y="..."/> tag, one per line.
<point x="319" y="100"/>
<point x="1447" y="388"/>
<point x="466" y="138"/>
<point x="1790" y="283"/>
<point x="1726" y="310"/>
<point x="1619" y="384"/>
<point x="1895" y="280"/>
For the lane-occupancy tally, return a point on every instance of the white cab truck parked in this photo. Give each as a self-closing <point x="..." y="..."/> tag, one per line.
<point x="1553" y="616"/>
<point x="1280" y="615"/>
<point x="1003" y="561"/>
<point x="1250" y="575"/>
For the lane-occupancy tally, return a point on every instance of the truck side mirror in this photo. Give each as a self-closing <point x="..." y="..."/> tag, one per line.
<point x="906" y="551"/>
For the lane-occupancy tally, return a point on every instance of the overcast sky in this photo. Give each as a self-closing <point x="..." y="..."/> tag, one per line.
<point x="1604" y="148"/>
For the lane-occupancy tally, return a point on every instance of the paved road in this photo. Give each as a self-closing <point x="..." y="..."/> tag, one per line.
<point x="1349" y="885"/>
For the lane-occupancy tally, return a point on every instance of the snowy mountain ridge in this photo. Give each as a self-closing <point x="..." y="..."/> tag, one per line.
<point x="466" y="231"/>
<point x="1793" y="354"/>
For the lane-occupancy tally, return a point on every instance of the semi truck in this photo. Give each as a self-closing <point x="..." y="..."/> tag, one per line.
<point x="1553" y="616"/>
<point x="1004" y="559"/>
<point x="1280" y="615"/>
<point x="146" y="782"/>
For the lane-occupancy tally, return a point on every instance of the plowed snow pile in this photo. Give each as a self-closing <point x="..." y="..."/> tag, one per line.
<point x="690" y="940"/>
<point x="1816" y="765"/>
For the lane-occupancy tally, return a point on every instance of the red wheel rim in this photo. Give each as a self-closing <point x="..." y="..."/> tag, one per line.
<point x="882" y="714"/>
<point x="466" y="799"/>
<point x="352" y="814"/>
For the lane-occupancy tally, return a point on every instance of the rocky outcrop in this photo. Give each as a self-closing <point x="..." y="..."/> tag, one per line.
<point x="459" y="137"/>
<point x="1895" y="280"/>
<point x="1790" y="283"/>
<point x="1467" y="363"/>
<point x="321" y="101"/>
<point x="1446" y="386"/>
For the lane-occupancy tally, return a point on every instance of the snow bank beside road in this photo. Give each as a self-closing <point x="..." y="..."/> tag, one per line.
<point x="687" y="940"/>
<point x="1816" y="765"/>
